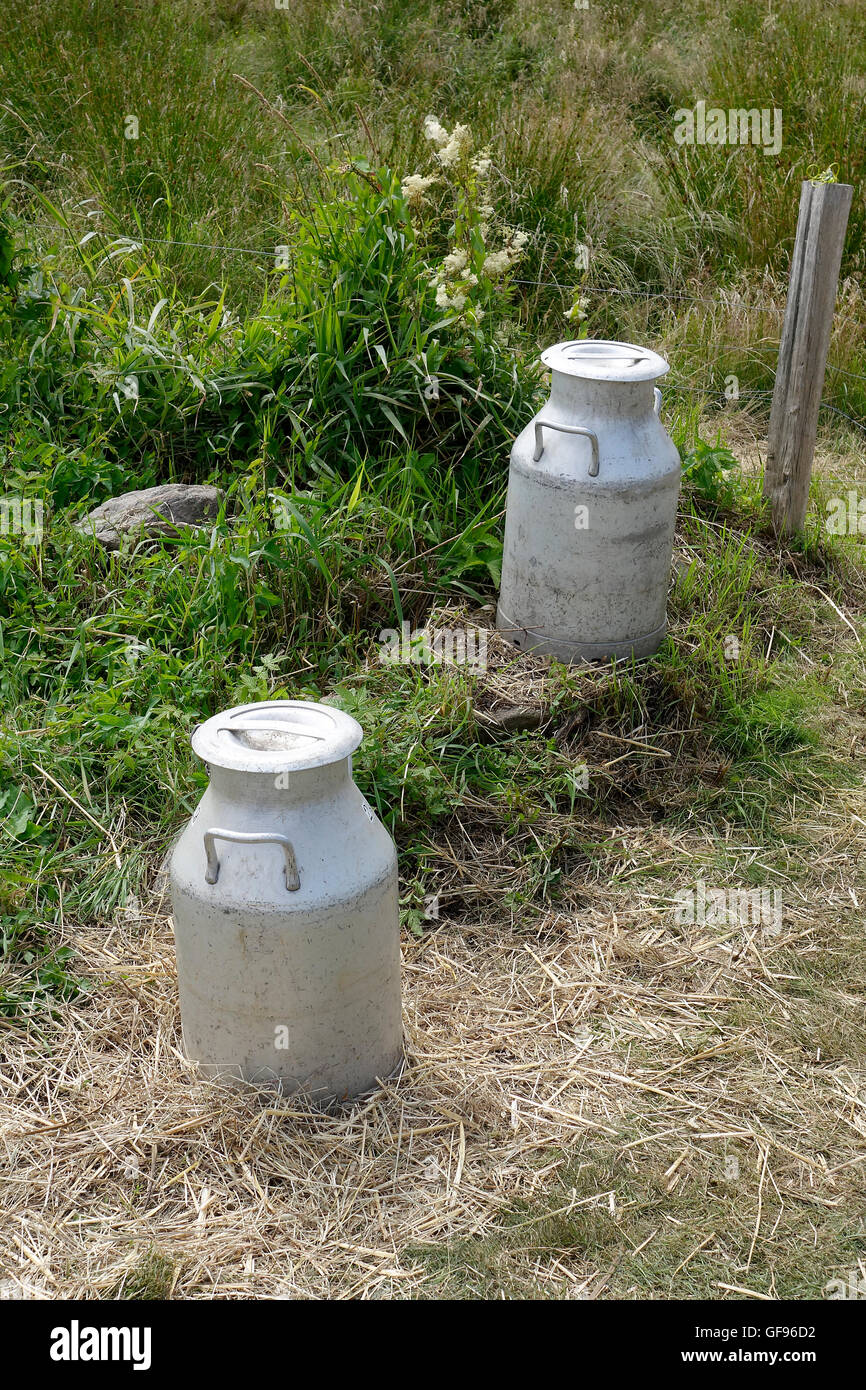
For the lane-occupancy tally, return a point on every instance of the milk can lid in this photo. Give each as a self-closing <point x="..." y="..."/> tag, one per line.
<point x="277" y="736"/>
<point x="596" y="359"/>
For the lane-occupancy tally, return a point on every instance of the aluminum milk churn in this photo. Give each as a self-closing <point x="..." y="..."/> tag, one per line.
<point x="284" y="891"/>
<point x="592" y="501"/>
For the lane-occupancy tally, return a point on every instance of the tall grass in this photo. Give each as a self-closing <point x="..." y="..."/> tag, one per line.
<point x="347" y="359"/>
<point x="577" y="106"/>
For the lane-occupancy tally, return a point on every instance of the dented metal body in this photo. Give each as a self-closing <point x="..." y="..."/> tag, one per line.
<point x="286" y="918"/>
<point x="591" y="510"/>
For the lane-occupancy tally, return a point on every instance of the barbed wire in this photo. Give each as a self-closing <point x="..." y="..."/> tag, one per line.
<point x="676" y="386"/>
<point x="757" y="307"/>
<point x="137" y="242"/>
<point x="760" y="306"/>
<point x="711" y="391"/>
<point x="627" y="293"/>
<point x="856" y="376"/>
<point x="564" y="288"/>
<point x="825" y="405"/>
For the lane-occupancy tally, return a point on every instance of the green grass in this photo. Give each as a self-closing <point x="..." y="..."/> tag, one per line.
<point x="215" y="168"/>
<point x="150" y="1278"/>
<point x="110" y="661"/>
<point x="590" y="1238"/>
<point x="359" y="431"/>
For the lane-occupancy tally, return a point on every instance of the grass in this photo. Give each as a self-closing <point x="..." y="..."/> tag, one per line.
<point x="150" y="1279"/>
<point x="247" y="294"/>
<point x="647" y="1248"/>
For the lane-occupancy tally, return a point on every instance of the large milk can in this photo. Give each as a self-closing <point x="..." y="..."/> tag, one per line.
<point x="591" y="510"/>
<point x="286" y="920"/>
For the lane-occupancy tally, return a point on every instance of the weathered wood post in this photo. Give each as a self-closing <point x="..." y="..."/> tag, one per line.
<point x="799" y="385"/>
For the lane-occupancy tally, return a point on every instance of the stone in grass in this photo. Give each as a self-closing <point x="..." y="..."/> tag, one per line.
<point x="153" y="511"/>
<point x="514" y="719"/>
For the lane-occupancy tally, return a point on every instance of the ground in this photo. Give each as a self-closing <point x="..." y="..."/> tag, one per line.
<point x="596" y="1100"/>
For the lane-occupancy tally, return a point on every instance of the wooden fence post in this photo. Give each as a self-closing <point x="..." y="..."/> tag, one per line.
<point x="799" y="385"/>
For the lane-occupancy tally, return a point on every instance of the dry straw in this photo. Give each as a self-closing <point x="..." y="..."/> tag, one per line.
<point x="542" y="1052"/>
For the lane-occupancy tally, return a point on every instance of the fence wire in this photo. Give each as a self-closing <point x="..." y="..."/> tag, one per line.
<point x="139" y="242"/>
<point x="759" y="306"/>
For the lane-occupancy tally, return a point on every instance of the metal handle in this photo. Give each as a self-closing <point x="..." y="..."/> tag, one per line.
<point x="268" y="726"/>
<point x="239" y="837"/>
<point x="566" y="429"/>
<point x="657" y="400"/>
<point x="578" y="355"/>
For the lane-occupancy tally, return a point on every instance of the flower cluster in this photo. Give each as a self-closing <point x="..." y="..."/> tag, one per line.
<point x="453" y="280"/>
<point x="415" y="186"/>
<point x="471" y="275"/>
<point x="452" y="150"/>
<point x="579" y="308"/>
<point x="499" y="262"/>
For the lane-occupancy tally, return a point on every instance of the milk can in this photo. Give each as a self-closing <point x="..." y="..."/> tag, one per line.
<point x="284" y="890"/>
<point x="591" y="510"/>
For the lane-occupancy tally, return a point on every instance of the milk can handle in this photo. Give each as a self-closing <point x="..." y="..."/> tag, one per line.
<point x="657" y="400"/>
<point x="239" y="837"/>
<point x="566" y="429"/>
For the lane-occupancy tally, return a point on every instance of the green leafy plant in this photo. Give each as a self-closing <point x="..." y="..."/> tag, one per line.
<point x="711" y="469"/>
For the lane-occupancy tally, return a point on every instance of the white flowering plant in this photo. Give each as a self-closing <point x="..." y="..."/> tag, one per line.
<point x="453" y="205"/>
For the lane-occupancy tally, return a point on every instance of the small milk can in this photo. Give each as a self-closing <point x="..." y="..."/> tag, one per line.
<point x="591" y="510"/>
<point x="284" y="891"/>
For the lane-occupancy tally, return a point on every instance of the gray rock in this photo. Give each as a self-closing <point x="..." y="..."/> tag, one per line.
<point x="513" y="719"/>
<point x="154" y="511"/>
